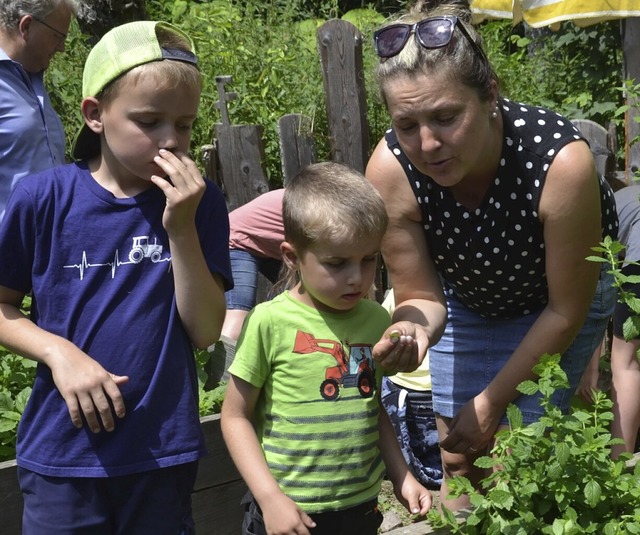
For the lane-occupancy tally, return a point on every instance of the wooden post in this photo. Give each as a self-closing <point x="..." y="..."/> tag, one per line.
<point x="297" y="145"/>
<point x="240" y="154"/>
<point x="630" y="29"/>
<point x="340" y="46"/>
<point x="599" y="142"/>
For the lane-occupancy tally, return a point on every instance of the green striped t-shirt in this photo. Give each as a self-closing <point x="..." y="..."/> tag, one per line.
<point x="317" y="416"/>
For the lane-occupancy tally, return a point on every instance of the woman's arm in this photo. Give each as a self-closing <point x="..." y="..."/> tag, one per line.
<point x="420" y="304"/>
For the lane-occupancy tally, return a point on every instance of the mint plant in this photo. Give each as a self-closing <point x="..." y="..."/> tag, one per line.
<point x="555" y="476"/>
<point x="610" y="251"/>
<point x="16" y="377"/>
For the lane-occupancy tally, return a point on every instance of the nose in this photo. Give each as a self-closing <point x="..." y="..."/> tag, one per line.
<point x="168" y="138"/>
<point x="354" y="276"/>
<point x="429" y="139"/>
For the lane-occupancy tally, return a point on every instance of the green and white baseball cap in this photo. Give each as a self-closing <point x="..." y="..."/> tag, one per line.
<point x="120" y="50"/>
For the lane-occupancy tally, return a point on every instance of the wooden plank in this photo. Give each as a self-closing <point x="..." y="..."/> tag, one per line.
<point x="241" y="155"/>
<point x="10" y="499"/>
<point x="209" y="158"/>
<point x="217" y="511"/>
<point x="297" y="144"/>
<point x="599" y="142"/>
<point x="340" y="47"/>
<point x="216" y="495"/>
<point x="216" y="468"/>
<point x="631" y="70"/>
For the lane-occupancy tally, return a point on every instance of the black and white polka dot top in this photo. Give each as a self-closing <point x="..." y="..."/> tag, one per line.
<point x="492" y="259"/>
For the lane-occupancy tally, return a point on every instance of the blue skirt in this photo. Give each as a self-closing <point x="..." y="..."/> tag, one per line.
<point x="473" y="349"/>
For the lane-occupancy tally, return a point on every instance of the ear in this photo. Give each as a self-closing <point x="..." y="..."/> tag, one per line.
<point x="493" y="94"/>
<point x="289" y="255"/>
<point x="24" y="25"/>
<point x="92" y="114"/>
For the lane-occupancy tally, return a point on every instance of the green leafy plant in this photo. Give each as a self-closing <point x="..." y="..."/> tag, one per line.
<point x="269" y="49"/>
<point x="610" y="251"/>
<point x="16" y="377"/>
<point x="210" y="399"/>
<point x="555" y="476"/>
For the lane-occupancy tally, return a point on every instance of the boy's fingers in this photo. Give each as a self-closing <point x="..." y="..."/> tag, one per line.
<point x="114" y="394"/>
<point x="74" y="411"/>
<point x="104" y="410"/>
<point x="425" y="503"/>
<point x="308" y="521"/>
<point x="89" y="412"/>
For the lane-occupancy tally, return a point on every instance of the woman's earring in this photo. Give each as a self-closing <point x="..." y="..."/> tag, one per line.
<point x="494" y="113"/>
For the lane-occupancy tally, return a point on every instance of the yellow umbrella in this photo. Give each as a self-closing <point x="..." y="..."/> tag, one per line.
<point x="538" y="13"/>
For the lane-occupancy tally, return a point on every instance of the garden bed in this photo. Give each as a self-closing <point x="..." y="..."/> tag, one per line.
<point x="216" y="497"/>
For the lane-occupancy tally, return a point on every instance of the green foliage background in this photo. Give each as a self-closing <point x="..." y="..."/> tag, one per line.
<point x="268" y="47"/>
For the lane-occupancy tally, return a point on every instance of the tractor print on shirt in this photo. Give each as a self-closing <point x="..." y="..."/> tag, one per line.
<point x="141" y="248"/>
<point x="353" y="371"/>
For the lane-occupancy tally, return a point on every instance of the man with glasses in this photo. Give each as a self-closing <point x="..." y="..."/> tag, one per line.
<point x="31" y="135"/>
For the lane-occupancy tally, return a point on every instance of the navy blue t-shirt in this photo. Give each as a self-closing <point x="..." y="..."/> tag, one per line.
<point x="100" y="271"/>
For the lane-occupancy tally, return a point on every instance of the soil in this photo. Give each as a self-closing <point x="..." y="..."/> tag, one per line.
<point x="395" y="514"/>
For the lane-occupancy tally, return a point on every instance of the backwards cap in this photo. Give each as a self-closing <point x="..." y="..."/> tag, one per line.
<point x="120" y="50"/>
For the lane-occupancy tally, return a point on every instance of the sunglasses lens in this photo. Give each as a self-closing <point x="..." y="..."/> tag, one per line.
<point x="390" y="40"/>
<point x="435" y="33"/>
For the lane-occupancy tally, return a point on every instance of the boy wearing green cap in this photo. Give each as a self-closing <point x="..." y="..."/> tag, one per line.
<point x="125" y="253"/>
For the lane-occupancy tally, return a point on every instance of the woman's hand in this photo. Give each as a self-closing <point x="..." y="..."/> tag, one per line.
<point x="402" y="347"/>
<point x="473" y="428"/>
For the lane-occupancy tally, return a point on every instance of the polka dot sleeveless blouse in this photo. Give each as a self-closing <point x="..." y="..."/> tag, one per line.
<point x="492" y="259"/>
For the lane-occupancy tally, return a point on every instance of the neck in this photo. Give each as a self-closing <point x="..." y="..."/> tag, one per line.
<point x="10" y="43"/>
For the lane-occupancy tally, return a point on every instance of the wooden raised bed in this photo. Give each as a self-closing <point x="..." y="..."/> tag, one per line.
<point x="216" y="497"/>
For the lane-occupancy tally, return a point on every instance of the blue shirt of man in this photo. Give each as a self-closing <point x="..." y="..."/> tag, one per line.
<point x="31" y="135"/>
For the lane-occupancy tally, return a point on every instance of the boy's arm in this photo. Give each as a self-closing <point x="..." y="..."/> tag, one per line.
<point x="281" y="514"/>
<point x="87" y="388"/>
<point x="415" y="497"/>
<point x="199" y="293"/>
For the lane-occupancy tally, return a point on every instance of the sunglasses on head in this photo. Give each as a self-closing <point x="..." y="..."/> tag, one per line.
<point x="432" y="32"/>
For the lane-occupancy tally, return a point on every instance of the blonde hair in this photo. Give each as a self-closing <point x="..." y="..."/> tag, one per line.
<point x="458" y="60"/>
<point x="329" y="202"/>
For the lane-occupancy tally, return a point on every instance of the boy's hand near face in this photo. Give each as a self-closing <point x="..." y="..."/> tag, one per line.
<point x="183" y="192"/>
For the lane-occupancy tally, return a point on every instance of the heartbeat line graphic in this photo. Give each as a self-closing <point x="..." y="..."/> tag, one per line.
<point x="133" y="259"/>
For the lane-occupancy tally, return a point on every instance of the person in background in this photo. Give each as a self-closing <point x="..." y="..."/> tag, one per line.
<point x="302" y="416"/>
<point x="493" y="206"/>
<point x="126" y="255"/>
<point x="625" y="366"/>
<point x="255" y="235"/>
<point x="407" y="399"/>
<point x="31" y="134"/>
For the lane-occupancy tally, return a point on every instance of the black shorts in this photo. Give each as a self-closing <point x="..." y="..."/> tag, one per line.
<point x="363" y="519"/>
